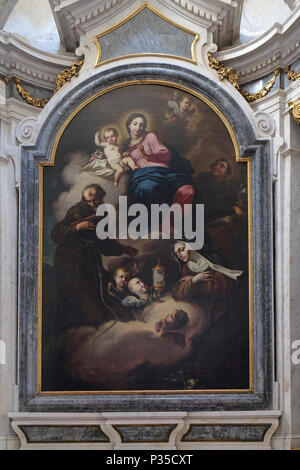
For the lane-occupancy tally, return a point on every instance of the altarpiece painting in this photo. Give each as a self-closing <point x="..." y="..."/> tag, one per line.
<point x="149" y="314"/>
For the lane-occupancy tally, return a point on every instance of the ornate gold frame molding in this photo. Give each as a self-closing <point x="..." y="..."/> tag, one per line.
<point x="233" y="77"/>
<point x="295" y="109"/>
<point x="65" y="76"/>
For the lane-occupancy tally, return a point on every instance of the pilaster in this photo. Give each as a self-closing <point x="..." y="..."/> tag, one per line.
<point x="12" y="112"/>
<point x="285" y="138"/>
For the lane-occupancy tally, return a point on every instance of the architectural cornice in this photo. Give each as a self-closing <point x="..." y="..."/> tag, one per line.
<point x="74" y="18"/>
<point x="278" y="47"/>
<point x="292" y="3"/>
<point x="232" y="76"/>
<point x="220" y="17"/>
<point x="62" y="78"/>
<point x="39" y="68"/>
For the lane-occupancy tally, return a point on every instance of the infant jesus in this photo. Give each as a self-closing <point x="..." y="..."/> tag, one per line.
<point x="112" y="153"/>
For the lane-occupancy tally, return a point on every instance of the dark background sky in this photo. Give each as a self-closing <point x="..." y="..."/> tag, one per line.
<point x="203" y="139"/>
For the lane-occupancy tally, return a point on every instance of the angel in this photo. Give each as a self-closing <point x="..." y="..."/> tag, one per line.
<point x="179" y="108"/>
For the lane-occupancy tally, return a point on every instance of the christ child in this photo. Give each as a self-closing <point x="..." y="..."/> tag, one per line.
<point x="112" y="153"/>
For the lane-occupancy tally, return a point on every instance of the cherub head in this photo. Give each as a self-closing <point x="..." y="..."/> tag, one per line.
<point x="121" y="276"/>
<point x="185" y="104"/>
<point x="137" y="287"/>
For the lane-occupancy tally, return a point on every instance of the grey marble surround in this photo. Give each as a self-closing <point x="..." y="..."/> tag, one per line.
<point x="152" y="35"/>
<point x="226" y="432"/>
<point x="258" y="151"/>
<point x="144" y="433"/>
<point x="35" y="434"/>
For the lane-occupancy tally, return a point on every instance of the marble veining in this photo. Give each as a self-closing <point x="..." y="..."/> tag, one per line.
<point x="144" y="433"/>
<point x="64" y="433"/>
<point x="224" y="432"/>
<point x="146" y="33"/>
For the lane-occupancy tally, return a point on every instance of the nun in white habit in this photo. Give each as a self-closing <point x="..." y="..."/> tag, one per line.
<point x="200" y="277"/>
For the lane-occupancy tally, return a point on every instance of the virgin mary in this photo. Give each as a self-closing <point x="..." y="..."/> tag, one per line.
<point x="155" y="181"/>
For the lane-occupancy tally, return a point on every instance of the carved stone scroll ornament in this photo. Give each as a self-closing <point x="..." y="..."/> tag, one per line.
<point x="295" y="109"/>
<point x="232" y="76"/>
<point x="62" y="78"/>
<point x="26" y="130"/>
<point x="265" y="124"/>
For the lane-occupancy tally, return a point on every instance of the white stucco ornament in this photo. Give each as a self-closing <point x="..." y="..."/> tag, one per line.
<point x="26" y="130"/>
<point x="265" y="124"/>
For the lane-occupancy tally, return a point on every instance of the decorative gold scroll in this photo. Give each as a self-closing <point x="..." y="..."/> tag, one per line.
<point x="292" y="75"/>
<point x="67" y="74"/>
<point x="224" y="72"/>
<point x="295" y="109"/>
<point x="232" y="76"/>
<point x="62" y="78"/>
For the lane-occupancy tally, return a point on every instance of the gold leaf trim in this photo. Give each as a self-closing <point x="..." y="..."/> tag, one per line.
<point x="292" y="75"/>
<point x="295" y="109"/>
<point x="260" y="94"/>
<point x="224" y="72"/>
<point x="62" y="78"/>
<point x="67" y="74"/>
<point x="232" y="76"/>
<point x="28" y="98"/>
